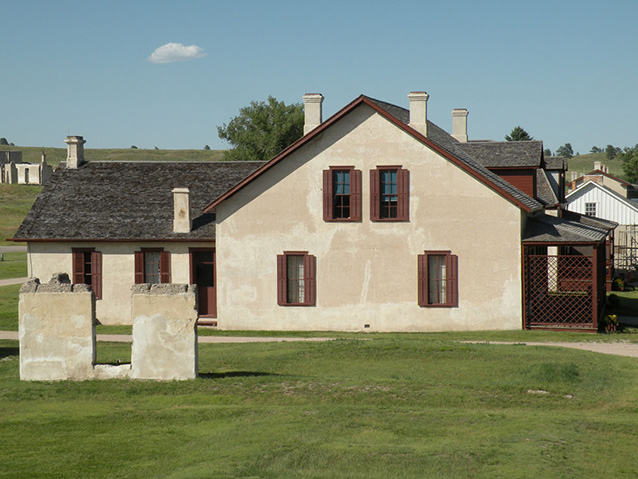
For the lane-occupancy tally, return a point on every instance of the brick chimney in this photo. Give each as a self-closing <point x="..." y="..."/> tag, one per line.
<point x="459" y="124"/>
<point x="182" y="222"/>
<point x="312" y="111"/>
<point x="419" y="111"/>
<point x="75" y="151"/>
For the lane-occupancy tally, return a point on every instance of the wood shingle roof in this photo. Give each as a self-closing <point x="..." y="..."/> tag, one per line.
<point x="116" y="201"/>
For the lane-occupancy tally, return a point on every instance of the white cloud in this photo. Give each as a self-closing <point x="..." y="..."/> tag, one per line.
<point x="176" y="52"/>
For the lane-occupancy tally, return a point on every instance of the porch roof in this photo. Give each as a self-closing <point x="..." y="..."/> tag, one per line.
<point x="574" y="228"/>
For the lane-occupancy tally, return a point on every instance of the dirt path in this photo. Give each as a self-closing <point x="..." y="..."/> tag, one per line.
<point x="125" y="338"/>
<point x="10" y="281"/>
<point x="617" y="348"/>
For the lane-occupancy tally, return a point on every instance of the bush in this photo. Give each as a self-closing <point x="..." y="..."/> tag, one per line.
<point x="618" y="285"/>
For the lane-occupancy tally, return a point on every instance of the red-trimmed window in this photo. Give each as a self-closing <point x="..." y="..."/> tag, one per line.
<point x="438" y="279"/>
<point x="389" y="194"/>
<point x="87" y="269"/>
<point x="295" y="279"/>
<point x="152" y="265"/>
<point x="342" y="194"/>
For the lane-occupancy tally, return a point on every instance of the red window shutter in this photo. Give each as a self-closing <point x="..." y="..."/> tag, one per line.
<point x="355" y="195"/>
<point x="451" y="266"/>
<point x="96" y="275"/>
<point x="327" y="195"/>
<point x="139" y="267"/>
<point x="309" y="279"/>
<point x="375" y="200"/>
<point x="281" y="279"/>
<point x="78" y="267"/>
<point x="403" y="190"/>
<point x="165" y="267"/>
<point x="422" y="283"/>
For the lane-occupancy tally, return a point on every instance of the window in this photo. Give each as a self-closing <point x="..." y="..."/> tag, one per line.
<point x="438" y="282"/>
<point x="342" y="194"/>
<point x="590" y="209"/>
<point x="152" y="265"/>
<point x="296" y="279"/>
<point x="87" y="269"/>
<point x="389" y="194"/>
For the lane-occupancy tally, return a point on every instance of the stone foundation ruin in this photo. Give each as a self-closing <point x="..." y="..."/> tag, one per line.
<point x="57" y="332"/>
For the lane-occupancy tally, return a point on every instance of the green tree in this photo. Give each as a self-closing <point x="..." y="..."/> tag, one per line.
<point x="518" y="134"/>
<point x="3" y="141"/>
<point x="595" y="149"/>
<point x="133" y="147"/>
<point x="206" y="147"/>
<point x="565" y="151"/>
<point x="547" y="152"/>
<point x="262" y="130"/>
<point x="629" y="158"/>
<point x="611" y="151"/>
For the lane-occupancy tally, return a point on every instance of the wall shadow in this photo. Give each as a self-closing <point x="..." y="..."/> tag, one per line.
<point x="6" y="352"/>
<point x="234" y="374"/>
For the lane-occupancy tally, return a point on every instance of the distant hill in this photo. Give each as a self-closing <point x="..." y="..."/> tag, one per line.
<point x="32" y="154"/>
<point x="585" y="163"/>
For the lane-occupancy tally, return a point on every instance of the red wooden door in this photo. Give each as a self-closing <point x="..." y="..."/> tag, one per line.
<point x="203" y="275"/>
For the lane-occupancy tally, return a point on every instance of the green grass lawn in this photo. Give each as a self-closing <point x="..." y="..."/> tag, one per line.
<point x="15" y="203"/>
<point x="410" y="406"/>
<point x="13" y="265"/>
<point x="31" y="154"/>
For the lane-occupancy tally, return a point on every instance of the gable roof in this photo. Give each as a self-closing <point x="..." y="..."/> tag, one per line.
<point x="555" y="163"/>
<point x="506" y="154"/>
<point x="437" y="139"/>
<point x="117" y="201"/>
<point x="588" y="185"/>
<point x="602" y="173"/>
<point x="544" y="191"/>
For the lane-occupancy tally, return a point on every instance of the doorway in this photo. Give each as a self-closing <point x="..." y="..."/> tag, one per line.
<point x="203" y="275"/>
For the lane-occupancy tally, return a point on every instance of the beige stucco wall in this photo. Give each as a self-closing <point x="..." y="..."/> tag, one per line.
<point x="118" y="270"/>
<point x="56" y="329"/>
<point x="367" y="271"/>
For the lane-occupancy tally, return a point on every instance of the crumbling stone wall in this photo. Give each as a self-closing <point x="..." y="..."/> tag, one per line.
<point x="164" y="331"/>
<point x="56" y="330"/>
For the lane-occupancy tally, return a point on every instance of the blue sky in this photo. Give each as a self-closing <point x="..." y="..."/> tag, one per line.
<point x="566" y="71"/>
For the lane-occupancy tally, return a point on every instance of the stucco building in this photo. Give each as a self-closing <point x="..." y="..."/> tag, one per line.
<point x="376" y="219"/>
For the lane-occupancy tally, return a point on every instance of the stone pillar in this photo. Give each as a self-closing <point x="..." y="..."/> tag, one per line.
<point x="419" y="111"/>
<point x="164" y="331"/>
<point x="312" y="111"/>
<point x="56" y="330"/>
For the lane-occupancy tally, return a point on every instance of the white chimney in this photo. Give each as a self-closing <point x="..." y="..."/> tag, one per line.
<point x="419" y="111"/>
<point x="181" y="211"/>
<point x="598" y="165"/>
<point x="459" y="124"/>
<point x="312" y="111"/>
<point x="75" y="151"/>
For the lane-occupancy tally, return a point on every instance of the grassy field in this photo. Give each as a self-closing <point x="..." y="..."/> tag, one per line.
<point x="408" y="406"/>
<point x="56" y="155"/>
<point x="13" y="265"/>
<point x="15" y="203"/>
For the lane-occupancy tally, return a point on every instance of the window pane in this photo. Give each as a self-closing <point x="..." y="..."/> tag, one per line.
<point x="389" y="198"/>
<point x="341" y="194"/>
<point x="152" y="267"/>
<point x="437" y="276"/>
<point x="295" y="278"/>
